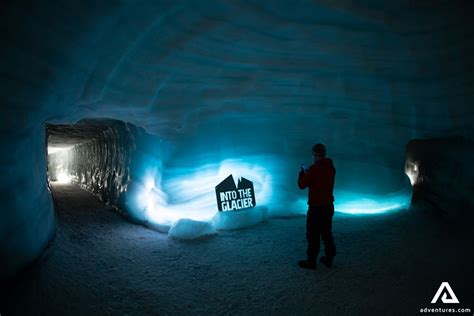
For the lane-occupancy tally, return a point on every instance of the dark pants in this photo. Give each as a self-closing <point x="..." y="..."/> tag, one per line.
<point x="319" y="223"/>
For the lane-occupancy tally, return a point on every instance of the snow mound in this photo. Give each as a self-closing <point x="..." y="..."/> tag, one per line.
<point x="186" y="228"/>
<point x="240" y="219"/>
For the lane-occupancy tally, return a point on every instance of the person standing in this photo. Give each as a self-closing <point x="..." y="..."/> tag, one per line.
<point x="319" y="179"/>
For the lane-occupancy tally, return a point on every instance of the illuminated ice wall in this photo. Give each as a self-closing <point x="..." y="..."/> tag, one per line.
<point x="246" y="85"/>
<point x="128" y="168"/>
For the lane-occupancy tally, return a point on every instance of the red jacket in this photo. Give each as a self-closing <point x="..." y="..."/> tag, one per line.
<point x="320" y="180"/>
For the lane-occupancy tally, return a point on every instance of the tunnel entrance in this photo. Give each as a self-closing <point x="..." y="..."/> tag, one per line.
<point x="109" y="158"/>
<point x="93" y="153"/>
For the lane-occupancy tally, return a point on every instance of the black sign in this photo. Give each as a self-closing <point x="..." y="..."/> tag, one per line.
<point x="231" y="198"/>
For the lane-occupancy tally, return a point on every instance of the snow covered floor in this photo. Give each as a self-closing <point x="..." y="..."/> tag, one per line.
<point x="101" y="264"/>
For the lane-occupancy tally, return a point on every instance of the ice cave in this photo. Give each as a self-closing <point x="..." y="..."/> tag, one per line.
<point x="151" y="152"/>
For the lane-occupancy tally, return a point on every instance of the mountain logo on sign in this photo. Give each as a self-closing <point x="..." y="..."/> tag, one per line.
<point x="234" y="198"/>
<point x="445" y="289"/>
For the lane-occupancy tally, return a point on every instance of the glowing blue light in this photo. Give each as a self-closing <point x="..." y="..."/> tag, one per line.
<point x="166" y="195"/>
<point x="191" y="193"/>
<point x="365" y="204"/>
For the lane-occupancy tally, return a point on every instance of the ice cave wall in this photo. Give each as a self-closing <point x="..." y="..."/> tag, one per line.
<point x="237" y="79"/>
<point x="113" y="164"/>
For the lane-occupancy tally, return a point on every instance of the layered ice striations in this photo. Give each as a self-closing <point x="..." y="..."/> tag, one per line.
<point x="228" y="84"/>
<point x="123" y="165"/>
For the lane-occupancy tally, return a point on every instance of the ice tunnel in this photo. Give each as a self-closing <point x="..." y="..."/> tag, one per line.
<point x="149" y="105"/>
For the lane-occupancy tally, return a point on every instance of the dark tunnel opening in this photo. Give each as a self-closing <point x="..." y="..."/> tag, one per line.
<point x="89" y="154"/>
<point x="102" y="156"/>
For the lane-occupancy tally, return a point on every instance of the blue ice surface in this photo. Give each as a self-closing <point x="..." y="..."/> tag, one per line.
<point x="231" y="220"/>
<point x="186" y="229"/>
<point x="363" y="204"/>
<point x="184" y="204"/>
<point x="164" y="199"/>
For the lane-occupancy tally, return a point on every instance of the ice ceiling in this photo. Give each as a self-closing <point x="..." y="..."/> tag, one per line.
<point x="219" y="81"/>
